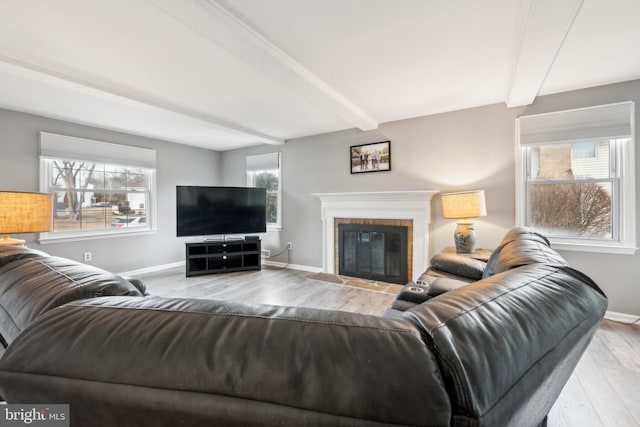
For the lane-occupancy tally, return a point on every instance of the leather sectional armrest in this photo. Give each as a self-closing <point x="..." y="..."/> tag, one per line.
<point x="440" y="285"/>
<point x="458" y="265"/>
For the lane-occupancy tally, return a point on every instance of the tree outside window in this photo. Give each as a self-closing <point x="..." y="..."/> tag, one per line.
<point x="91" y="196"/>
<point x="270" y="180"/>
<point x="264" y="171"/>
<point x="570" y="196"/>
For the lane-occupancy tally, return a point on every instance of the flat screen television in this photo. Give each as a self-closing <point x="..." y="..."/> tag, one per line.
<point x="203" y="211"/>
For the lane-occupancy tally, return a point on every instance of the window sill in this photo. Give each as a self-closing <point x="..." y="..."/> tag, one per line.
<point x="593" y="247"/>
<point x="70" y="237"/>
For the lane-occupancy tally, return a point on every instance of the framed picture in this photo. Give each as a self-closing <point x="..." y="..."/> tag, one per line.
<point x="374" y="157"/>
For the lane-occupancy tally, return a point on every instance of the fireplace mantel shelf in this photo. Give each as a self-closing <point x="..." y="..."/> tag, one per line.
<point x="417" y="195"/>
<point x="412" y="205"/>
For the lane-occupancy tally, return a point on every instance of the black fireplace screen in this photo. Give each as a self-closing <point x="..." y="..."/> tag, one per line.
<point x="376" y="252"/>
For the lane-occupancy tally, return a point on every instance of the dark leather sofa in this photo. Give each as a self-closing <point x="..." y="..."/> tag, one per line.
<point x="493" y="352"/>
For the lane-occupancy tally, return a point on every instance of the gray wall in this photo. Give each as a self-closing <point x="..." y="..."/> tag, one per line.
<point x="468" y="149"/>
<point x="445" y="152"/>
<point x="176" y="164"/>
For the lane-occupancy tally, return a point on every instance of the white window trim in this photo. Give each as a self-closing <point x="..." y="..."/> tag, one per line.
<point x="54" y="146"/>
<point x="625" y="162"/>
<point x="265" y="162"/>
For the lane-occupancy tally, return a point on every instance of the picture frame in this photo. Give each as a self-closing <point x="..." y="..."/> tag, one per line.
<point x="371" y="157"/>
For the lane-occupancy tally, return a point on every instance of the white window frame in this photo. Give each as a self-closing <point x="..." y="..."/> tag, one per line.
<point x="615" y="122"/>
<point x="60" y="147"/>
<point x="265" y="163"/>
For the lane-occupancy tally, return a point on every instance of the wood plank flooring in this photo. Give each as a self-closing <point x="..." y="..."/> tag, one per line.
<point x="268" y="286"/>
<point x="604" y="390"/>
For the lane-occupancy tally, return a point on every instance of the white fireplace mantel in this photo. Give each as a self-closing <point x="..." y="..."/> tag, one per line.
<point x="410" y="205"/>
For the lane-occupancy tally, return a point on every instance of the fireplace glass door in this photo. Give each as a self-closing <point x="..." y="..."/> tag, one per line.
<point x="375" y="252"/>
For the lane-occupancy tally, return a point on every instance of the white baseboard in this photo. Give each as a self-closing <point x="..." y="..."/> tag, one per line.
<point x="293" y="266"/>
<point x="153" y="269"/>
<point x="621" y="317"/>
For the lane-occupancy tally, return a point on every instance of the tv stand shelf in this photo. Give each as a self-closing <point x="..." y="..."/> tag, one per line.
<point x="222" y="257"/>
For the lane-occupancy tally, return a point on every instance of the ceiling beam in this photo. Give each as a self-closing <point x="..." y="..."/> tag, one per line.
<point x="221" y="26"/>
<point x="130" y="94"/>
<point x="547" y="24"/>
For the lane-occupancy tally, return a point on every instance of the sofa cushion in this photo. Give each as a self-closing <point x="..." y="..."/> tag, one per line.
<point x="32" y="286"/>
<point x="452" y="263"/>
<point x="440" y="285"/>
<point x="246" y="364"/>
<point x="521" y="246"/>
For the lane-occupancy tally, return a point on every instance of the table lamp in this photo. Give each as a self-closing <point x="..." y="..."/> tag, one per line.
<point x="465" y="204"/>
<point x="22" y="212"/>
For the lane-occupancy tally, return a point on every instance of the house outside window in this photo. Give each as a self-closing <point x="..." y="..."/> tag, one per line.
<point x="99" y="189"/>
<point x="584" y="150"/>
<point x="576" y="179"/>
<point x="265" y="171"/>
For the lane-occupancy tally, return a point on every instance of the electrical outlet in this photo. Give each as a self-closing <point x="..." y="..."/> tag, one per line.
<point x="87" y="256"/>
<point x="266" y="253"/>
<point x="289" y="245"/>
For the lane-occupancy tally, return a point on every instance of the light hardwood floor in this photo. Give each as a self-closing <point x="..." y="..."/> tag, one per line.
<point x="604" y="390"/>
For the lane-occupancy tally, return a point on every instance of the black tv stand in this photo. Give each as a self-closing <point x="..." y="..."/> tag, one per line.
<point x="222" y="256"/>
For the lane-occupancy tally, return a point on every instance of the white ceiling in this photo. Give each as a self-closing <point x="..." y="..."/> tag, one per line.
<point x="223" y="74"/>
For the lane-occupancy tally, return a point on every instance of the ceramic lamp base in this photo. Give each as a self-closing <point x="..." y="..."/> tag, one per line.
<point x="465" y="238"/>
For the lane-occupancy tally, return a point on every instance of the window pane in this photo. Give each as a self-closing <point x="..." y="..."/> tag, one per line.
<point x="86" y="176"/>
<point x="570" y="161"/>
<point x="136" y="201"/>
<point x="572" y="209"/>
<point x="115" y="169"/>
<point x="129" y="221"/>
<point x="116" y="180"/>
<point x="74" y="212"/>
<point x="62" y="215"/>
<point x="97" y="179"/>
<point x="128" y="203"/>
<point x="584" y="150"/>
<point x="270" y="180"/>
<point x="135" y="181"/>
<point x="90" y="199"/>
<point x="272" y="208"/>
<point x="66" y="174"/>
<point x="94" y="218"/>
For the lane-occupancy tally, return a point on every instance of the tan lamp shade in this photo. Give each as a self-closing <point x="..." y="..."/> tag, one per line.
<point x="465" y="204"/>
<point x="22" y="212"/>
